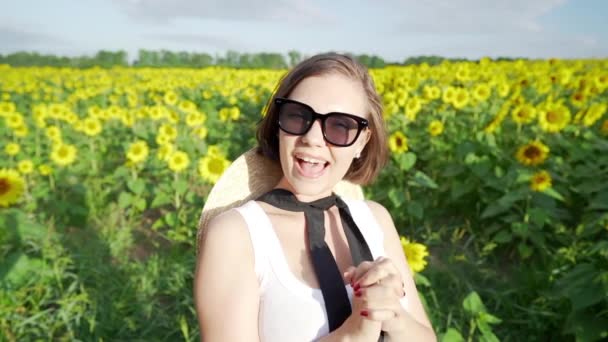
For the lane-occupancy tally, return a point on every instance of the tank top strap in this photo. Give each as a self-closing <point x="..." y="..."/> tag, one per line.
<point x="257" y="225"/>
<point x="371" y="230"/>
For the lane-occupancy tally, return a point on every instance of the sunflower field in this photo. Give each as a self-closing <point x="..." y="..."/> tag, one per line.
<point x="498" y="184"/>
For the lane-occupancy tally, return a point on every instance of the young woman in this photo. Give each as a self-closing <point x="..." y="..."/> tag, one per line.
<point x="299" y="263"/>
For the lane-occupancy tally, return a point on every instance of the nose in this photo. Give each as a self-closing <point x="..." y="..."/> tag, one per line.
<point x="314" y="136"/>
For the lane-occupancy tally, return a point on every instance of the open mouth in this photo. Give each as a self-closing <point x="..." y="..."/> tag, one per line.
<point x="309" y="167"/>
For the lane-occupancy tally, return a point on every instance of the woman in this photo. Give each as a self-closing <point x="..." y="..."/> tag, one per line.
<point x="299" y="264"/>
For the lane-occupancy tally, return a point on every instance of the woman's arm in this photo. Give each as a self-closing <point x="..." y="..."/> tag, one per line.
<point x="415" y="317"/>
<point x="226" y="289"/>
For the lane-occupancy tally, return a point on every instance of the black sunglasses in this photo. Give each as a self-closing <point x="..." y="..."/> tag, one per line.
<point x="339" y="129"/>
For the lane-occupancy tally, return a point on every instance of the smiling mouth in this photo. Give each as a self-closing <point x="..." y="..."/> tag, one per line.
<point x="311" y="168"/>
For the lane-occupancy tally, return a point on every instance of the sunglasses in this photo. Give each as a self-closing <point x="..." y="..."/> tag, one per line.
<point x="339" y="129"/>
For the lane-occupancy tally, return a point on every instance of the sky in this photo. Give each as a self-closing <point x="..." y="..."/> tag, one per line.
<point x="392" y="29"/>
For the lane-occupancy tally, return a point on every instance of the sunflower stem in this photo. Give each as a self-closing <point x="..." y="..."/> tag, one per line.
<point x="94" y="160"/>
<point x="175" y="181"/>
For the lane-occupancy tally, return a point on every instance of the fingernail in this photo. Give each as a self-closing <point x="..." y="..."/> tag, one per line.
<point x="364" y="313"/>
<point x="359" y="293"/>
<point x="357" y="286"/>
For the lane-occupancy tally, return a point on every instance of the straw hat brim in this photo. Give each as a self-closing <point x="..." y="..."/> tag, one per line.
<point x="248" y="177"/>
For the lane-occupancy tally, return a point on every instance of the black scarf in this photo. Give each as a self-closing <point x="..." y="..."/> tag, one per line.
<point x="327" y="271"/>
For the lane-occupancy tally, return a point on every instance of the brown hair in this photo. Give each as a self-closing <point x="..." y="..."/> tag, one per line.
<point x="364" y="169"/>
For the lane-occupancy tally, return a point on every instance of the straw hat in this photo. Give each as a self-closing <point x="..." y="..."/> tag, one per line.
<point x="248" y="177"/>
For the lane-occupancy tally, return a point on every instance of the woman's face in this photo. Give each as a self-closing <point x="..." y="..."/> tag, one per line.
<point x="312" y="166"/>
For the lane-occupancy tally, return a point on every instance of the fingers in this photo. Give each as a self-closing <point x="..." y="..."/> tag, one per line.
<point x="348" y="274"/>
<point x="382" y="270"/>
<point x="378" y="315"/>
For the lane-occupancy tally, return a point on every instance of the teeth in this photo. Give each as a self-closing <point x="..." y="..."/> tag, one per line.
<point x="311" y="160"/>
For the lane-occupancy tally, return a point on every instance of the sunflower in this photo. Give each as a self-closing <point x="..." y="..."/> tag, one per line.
<point x="448" y="95"/>
<point x="413" y="106"/>
<point x="138" y="152"/>
<point x="168" y="130"/>
<point x="594" y="113"/>
<point x="45" y="169"/>
<point x="170" y="98"/>
<point x="415" y="253"/>
<point x="178" y="161"/>
<point x="25" y="167"/>
<point x="164" y="151"/>
<point x="63" y="154"/>
<point x="53" y="133"/>
<point x="212" y="166"/>
<point x="533" y="153"/>
<point x="578" y="99"/>
<point x="435" y="128"/>
<point x="482" y="92"/>
<point x="431" y="92"/>
<point x="201" y="132"/>
<point x="554" y="117"/>
<point x="461" y="99"/>
<point x="397" y="142"/>
<point x="11" y="187"/>
<point x="12" y="149"/>
<point x="523" y="114"/>
<point x="91" y="127"/>
<point x="21" y="131"/>
<point x="540" y="181"/>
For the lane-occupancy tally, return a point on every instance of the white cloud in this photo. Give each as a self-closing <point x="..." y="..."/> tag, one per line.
<point x="470" y="16"/>
<point x="163" y="11"/>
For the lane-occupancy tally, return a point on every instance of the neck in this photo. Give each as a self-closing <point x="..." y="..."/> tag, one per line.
<point x="284" y="184"/>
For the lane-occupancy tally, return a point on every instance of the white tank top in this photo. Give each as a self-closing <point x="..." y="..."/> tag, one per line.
<point x="290" y="310"/>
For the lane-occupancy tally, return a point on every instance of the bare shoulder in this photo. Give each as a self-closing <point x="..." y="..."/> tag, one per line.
<point x="381" y="215"/>
<point x="228" y="227"/>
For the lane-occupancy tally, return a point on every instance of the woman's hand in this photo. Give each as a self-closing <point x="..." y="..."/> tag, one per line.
<point x="378" y="289"/>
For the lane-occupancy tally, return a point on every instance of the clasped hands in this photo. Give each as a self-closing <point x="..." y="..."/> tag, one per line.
<point x="378" y="289"/>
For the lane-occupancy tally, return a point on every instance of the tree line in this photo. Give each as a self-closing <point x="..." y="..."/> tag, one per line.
<point x="166" y="58"/>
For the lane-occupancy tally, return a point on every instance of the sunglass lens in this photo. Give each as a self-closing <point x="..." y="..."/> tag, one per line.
<point x="341" y="129"/>
<point x="294" y="119"/>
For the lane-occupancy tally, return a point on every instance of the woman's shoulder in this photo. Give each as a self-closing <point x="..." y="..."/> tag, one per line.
<point x="381" y="214"/>
<point x="227" y="228"/>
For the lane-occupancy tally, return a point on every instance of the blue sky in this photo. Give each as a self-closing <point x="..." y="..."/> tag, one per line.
<point x="393" y="29"/>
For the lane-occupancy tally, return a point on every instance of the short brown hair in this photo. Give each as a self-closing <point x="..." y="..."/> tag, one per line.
<point x="364" y="169"/>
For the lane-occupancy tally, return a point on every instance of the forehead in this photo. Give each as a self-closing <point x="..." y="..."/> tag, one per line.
<point x="332" y="93"/>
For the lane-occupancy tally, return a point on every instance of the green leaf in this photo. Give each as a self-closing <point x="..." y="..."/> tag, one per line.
<point x="551" y="192"/>
<point x="538" y="216"/>
<point x="452" y="335"/>
<point x="503" y="236"/>
<point x="461" y="188"/>
<point x="486" y="332"/>
<point x="124" y="199"/>
<point x="161" y="199"/>
<point x="520" y="229"/>
<point x="524" y="250"/>
<point x="137" y="186"/>
<point x="181" y="186"/>
<point x="171" y="218"/>
<point x="489" y="318"/>
<point x="406" y="160"/>
<point x="421" y="280"/>
<point x="415" y="209"/>
<point x="421" y="179"/>
<point x="397" y="197"/>
<point x="140" y="204"/>
<point x="473" y="304"/>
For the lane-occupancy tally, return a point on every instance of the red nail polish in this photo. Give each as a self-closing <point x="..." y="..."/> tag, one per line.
<point x="357" y="286"/>
<point x="364" y="313"/>
<point x="358" y="293"/>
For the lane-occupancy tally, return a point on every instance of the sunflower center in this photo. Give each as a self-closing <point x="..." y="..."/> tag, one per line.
<point x="532" y="152"/>
<point x="552" y="116"/>
<point x="399" y="142"/>
<point x="215" y="166"/>
<point x="5" y="186"/>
